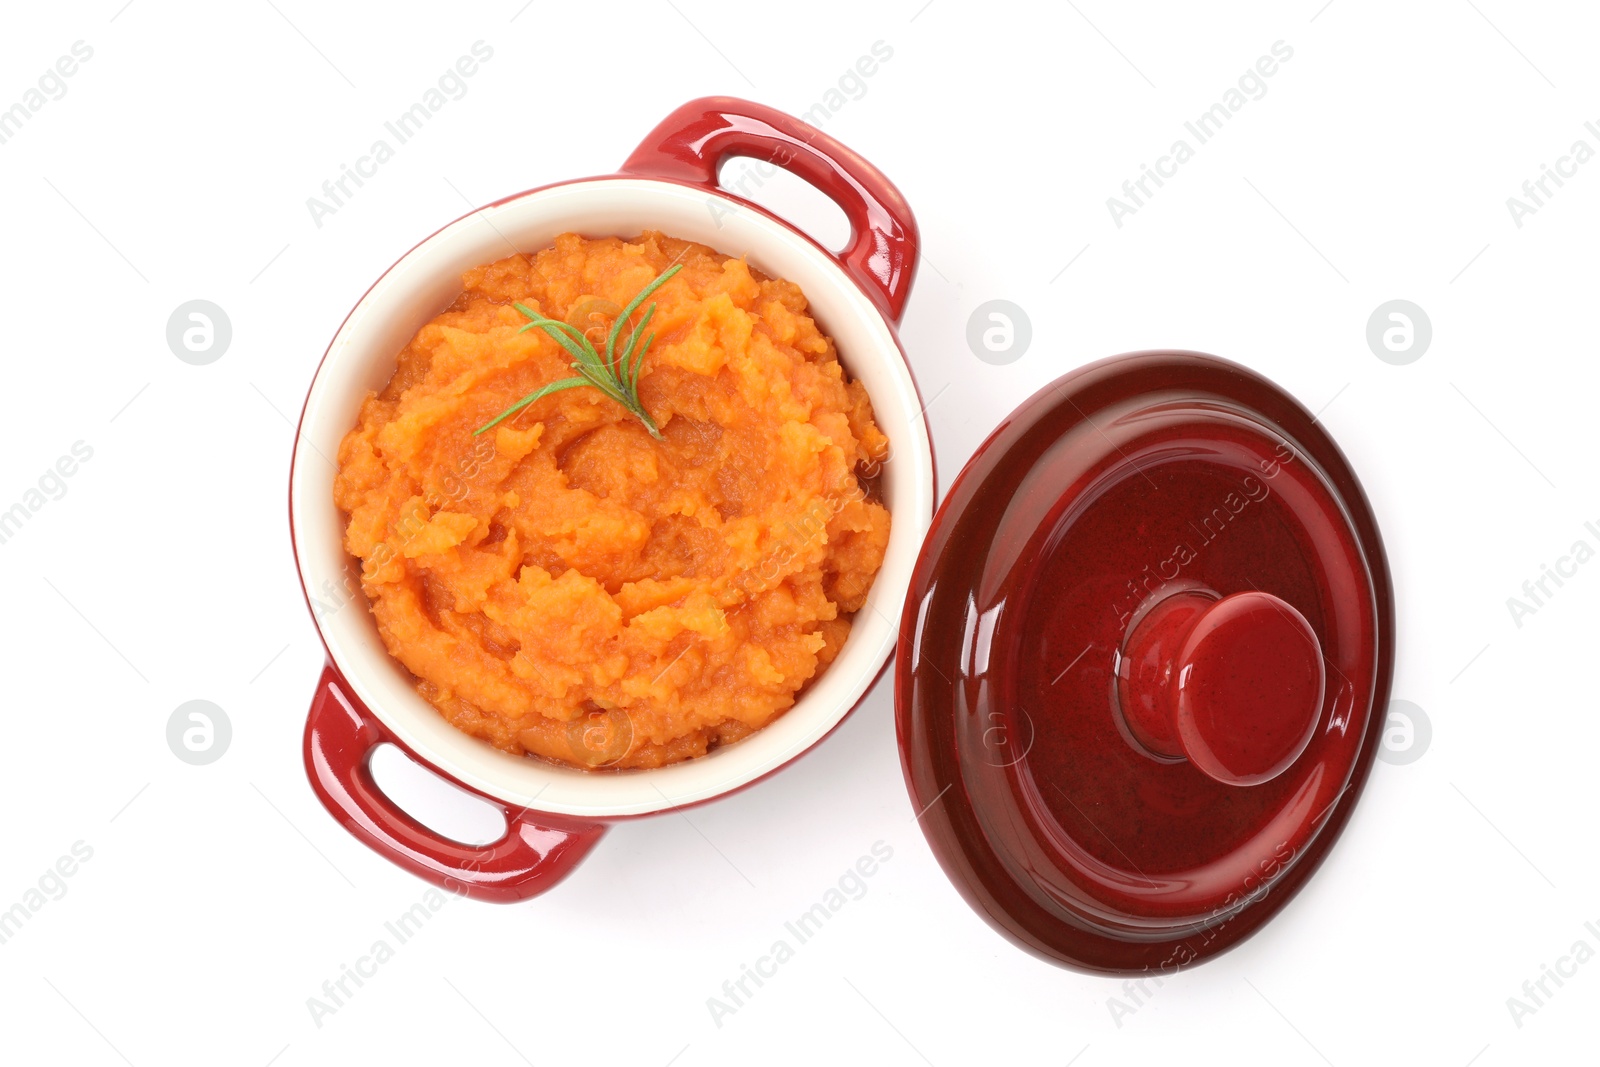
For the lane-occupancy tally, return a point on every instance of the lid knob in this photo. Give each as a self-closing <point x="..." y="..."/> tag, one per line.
<point x="1234" y="684"/>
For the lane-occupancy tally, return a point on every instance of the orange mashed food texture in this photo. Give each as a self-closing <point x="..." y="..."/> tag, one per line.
<point x="565" y="585"/>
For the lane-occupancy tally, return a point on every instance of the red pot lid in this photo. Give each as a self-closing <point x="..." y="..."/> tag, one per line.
<point x="1151" y="632"/>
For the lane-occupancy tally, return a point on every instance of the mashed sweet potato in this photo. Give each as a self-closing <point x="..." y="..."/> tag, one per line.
<point x="567" y="586"/>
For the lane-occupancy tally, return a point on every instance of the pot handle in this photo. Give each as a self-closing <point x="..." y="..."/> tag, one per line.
<point x="690" y="144"/>
<point x="531" y="858"/>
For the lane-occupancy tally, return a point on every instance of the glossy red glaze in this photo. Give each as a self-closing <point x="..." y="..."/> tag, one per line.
<point x="1145" y="670"/>
<point x="1233" y="684"/>
<point x="686" y="148"/>
<point x="1129" y="482"/>
<point x="691" y="143"/>
<point x="536" y="852"/>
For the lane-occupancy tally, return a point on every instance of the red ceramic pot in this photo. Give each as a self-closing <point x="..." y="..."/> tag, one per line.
<point x="554" y="814"/>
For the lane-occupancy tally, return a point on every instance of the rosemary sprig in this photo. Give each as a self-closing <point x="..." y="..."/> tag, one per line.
<point x="614" y="374"/>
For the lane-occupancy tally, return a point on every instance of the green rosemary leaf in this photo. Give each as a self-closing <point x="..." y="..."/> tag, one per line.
<point x="563" y="334"/>
<point x="615" y="374"/>
<point x="538" y="394"/>
<point x="538" y="320"/>
<point x="555" y="328"/>
<point x="633" y="305"/>
<point x="627" y="369"/>
<point x="638" y="360"/>
<point x="606" y="385"/>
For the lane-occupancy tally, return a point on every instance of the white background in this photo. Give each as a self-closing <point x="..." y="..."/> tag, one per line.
<point x="1377" y="166"/>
